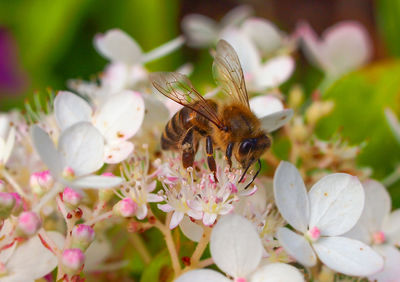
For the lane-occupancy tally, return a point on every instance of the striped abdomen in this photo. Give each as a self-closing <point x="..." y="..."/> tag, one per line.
<point x="176" y="129"/>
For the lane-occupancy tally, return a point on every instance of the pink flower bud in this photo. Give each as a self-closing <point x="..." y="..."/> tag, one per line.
<point x="379" y="237"/>
<point x="313" y="234"/>
<point x="71" y="197"/>
<point x="41" y="181"/>
<point x="82" y="236"/>
<point x="125" y="208"/>
<point x="68" y="173"/>
<point x="72" y="260"/>
<point x="28" y="223"/>
<point x="7" y="204"/>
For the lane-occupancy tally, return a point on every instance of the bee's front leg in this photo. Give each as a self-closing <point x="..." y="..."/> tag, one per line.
<point x="188" y="150"/>
<point x="228" y="154"/>
<point x="210" y="157"/>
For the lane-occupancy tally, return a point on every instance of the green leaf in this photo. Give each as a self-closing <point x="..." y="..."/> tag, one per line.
<point x="159" y="269"/>
<point x="388" y="18"/>
<point x="360" y="99"/>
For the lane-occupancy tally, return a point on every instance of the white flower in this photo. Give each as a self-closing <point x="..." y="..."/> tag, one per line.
<point x="119" y="47"/>
<point x="202" y="31"/>
<point x="7" y="139"/>
<point x="259" y="75"/>
<point x="30" y="260"/>
<point x="237" y="250"/>
<point x="78" y="155"/>
<point x="117" y="119"/>
<point x="380" y="228"/>
<point x="330" y="209"/>
<point x="342" y="48"/>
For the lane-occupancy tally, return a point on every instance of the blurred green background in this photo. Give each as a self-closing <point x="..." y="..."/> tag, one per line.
<point x="45" y="42"/>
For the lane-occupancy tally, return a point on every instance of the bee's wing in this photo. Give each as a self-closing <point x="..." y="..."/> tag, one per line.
<point x="273" y="121"/>
<point x="228" y="73"/>
<point x="178" y="88"/>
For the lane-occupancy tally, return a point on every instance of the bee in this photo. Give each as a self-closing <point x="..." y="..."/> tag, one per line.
<point x="231" y="127"/>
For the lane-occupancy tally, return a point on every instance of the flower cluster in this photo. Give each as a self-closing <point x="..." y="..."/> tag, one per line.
<point x="87" y="172"/>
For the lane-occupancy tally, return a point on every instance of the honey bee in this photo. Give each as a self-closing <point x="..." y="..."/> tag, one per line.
<point x="231" y="127"/>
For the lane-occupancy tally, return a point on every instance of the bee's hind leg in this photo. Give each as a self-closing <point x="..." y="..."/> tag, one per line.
<point x="188" y="150"/>
<point x="210" y="157"/>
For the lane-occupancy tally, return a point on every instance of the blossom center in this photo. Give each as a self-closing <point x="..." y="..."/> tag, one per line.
<point x="313" y="234"/>
<point x="379" y="237"/>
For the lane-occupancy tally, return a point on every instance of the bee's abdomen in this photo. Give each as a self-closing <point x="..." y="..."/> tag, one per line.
<point x="176" y="129"/>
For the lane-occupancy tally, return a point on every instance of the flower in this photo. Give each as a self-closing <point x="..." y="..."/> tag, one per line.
<point x="28" y="223"/>
<point x="30" y="260"/>
<point x="330" y="209"/>
<point x="116" y="126"/>
<point x="237" y="250"/>
<point x="78" y="155"/>
<point x="82" y="236"/>
<point x="379" y="228"/>
<point x="342" y="48"/>
<point x="202" y="31"/>
<point x="72" y="260"/>
<point x="125" y="208"/>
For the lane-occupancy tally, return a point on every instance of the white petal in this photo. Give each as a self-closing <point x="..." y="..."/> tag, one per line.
<point x="265" y="34"/>
<point x="201" y="31"/>
<point x="165" y="208"/>
<point x="274" y="72"/>
<point x="296" y="246"/>
<point x="156" y="113"/>
<point x="5" y="254"/>
<point x="46" y="150"/>
<point x="336" y="203"/>
<point x="121" y="116"/>
<point x="209" y="218"/>
<point x="118" y="46"/>
<point x="348" y="256"/>
<point x="393" y="122"/>
<point x="154" y="198"/>
<point x="82" y="148"/>
<point x="360" y="232"/>
<point x="141" y="212"/>
<point x="391" y="269"/>
<point x="235" y="245"/>
<point x="276" y="120"/>
<point x="347" y="46"/>
<point x="265" y="105"/>
<point x="190" y="229"/>
<point x="176" y="219"/>
<point x="377" y="205"/>
<point x="163" y="50"/>
<point x="96" y="182"/>
<point x="277" y="272"/>
<point x="117" y="152"/>
<point x="201" y="275"/>
<point x="70" y="109"/>
<point x="247" y="52"/>
<point x="8" y="146"/>
<point x="391" y="227"/>
<point x="96" y="253"/>
<point x="34" y="260"/>
<point x="237" y="15"/>
<point x="291" y="196"/>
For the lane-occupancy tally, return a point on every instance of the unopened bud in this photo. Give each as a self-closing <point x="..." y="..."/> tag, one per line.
<point x="28" y="223"/>
<point x="317" y="110"/>
<point x="82" y="236"/>
<point x="7" y="203"/>
<point x="296" y="97"/>
<point x="68" y="173"/>
<point x="125" y="208"/>
<point x="72" y="260"/>
<point x="40" y="182"/>
<point x="71" y="197"/>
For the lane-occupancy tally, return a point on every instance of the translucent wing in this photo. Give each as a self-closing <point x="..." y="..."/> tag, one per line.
<point x="178" y="88"/>
<point x="228" y="73"/>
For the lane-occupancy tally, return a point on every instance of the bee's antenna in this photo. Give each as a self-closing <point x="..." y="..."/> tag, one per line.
<point x="254" y="177"/>
<point x="244" y="173"/>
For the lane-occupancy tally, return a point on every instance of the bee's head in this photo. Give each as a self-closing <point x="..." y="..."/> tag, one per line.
<point x="249" y="150"/>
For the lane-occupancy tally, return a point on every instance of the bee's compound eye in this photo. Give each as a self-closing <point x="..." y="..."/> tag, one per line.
<point x="245" y="147"/>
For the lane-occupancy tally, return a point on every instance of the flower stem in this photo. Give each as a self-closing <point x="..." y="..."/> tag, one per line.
<point x="14" y="184"/>
<point x="201" y="246"/>
<point x="392" y="177"/>
<point x="47" y="197"/>
<point x="138" y="244"/>
<point x="99" y="218"/>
